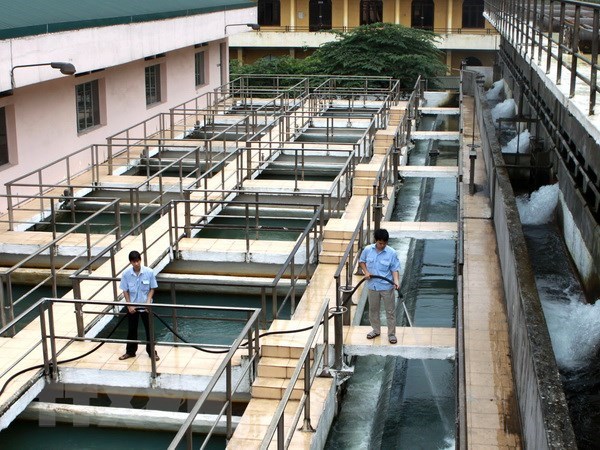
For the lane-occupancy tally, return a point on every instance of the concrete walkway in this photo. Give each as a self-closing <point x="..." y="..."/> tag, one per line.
<point x="491" y="403"/>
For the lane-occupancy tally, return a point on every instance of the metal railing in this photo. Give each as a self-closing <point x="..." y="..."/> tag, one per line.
<point x="197" y="216"/>
<point x="309" y="369"/>
<point x="203" y="131"/>
<point x="563" y="32"/>
<point x="388" y="171"/>
<point x="161" y="179"/>
<point x="345" y="29"/>
<point x="250" y="331"/>
<point x="51" y="252"/>
<point x="346" y="268"/>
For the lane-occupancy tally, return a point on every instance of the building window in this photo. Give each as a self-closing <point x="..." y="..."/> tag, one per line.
<point x="422" y="14"/>
<point x="3" y="137"/>
<point x="472" y="14"/>
<point x="319" y="15"/>
<point x="88" y="105"/>
<point x="153" y="84"/>
<point x="371" y="11"/>
<point x="200" y="69"/>
<point x="268" y="12"/>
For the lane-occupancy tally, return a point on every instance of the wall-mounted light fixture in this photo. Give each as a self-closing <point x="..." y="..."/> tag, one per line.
<point x="65" y="68"/>
<point x="254" y="26"/>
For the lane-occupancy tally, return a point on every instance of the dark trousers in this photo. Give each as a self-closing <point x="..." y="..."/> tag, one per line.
<point x="132" y="333"/>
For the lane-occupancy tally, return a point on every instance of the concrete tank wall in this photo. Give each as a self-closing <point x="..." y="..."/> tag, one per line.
<point x="542" y="404"/>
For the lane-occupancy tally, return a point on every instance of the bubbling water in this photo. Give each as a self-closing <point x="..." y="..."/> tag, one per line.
<point x="504" y="110"/>
<point x="539" y="207"/>
<point x="574" y="326"/>
<point x="494" y="92"/>
<point x="519" y="144"/>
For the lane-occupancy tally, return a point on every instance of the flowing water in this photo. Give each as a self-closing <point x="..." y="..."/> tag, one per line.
<point x="574" y="325"/>
<point x="393" y="402"/>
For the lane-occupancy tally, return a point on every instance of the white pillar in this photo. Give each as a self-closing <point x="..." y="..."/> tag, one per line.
<point x="345" y="13"/>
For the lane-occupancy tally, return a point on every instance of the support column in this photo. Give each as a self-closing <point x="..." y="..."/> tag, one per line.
<point x="449" y="62"/>
<point x="293" y="53"/>
<point x="345" y="13"/>
<point x="240" y="55"/>
<point x="397" y="12"/>
<point x="292" y="13"/>
<point x="449" y="18"/>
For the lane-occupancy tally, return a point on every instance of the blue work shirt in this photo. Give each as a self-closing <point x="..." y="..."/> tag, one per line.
<point x="381" y="263"/>
<point x="138" y="285"/>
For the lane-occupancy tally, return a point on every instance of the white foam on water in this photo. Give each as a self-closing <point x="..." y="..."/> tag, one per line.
<point x="539" y="207"/>
<point x="504" y="110"/>
<point x="494" y="92"/>
<point x="519" y="144"/>
<point x="574" y="326"/>
<point x="449" y="443"/>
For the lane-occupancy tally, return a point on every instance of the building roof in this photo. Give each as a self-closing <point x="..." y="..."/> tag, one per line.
<point x="31" y="17"/>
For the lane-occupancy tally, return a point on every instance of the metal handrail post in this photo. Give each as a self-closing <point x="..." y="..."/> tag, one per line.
<point x="78" y="306"/>
<point x="307" y="425"/>
<point x="54" y="370"/>
<point x="228" y="394"/>
<point x="113" y="273"/>
<point x="44" y="339"/>
<point x="188" y="215"/>
<point x="151" y="342"/>
<point x="9" y="205"/>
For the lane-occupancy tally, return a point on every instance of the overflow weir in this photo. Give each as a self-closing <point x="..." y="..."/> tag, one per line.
<point x="258" y="195"/>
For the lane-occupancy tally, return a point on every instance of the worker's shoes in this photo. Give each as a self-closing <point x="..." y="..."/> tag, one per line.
<point x="392" y="339"/>
<point x="126" y="356"/>
<point x="373" y="334"/>
<point x="156" y="357"/>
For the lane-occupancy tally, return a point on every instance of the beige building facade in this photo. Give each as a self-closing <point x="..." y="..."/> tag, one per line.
<point x="297" y="27"/>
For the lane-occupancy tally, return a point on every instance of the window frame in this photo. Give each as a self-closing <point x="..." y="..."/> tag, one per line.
<point x="152" y="83"/>
<point x="371" y="11"/>
<point x="89" y="93"/>
<point x="269" y="13"/>
<point x="472" y="14"/>
<point x="200" y="75"/>
<point x="4" y="148"/>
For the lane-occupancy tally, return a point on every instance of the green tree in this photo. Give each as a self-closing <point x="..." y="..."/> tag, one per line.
<point x="379" y="49"/>
<point x="383" y="49"/>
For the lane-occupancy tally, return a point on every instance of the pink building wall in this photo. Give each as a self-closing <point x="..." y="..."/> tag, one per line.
<point x="41" y="110"/>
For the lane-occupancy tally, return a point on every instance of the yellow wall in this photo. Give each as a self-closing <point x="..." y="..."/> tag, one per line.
<point x="284" y="13"/>
<point x="389" y="13"/>
<point x="405" y="12"/>
<point x="337" y="13"/>
<point x="353" y="13"/>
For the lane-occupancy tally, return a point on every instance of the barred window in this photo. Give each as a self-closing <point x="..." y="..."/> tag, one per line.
<point x="371" y="11"/>
<point x="153" y="94"/>
<point x="3" y="137"/>
<point x="269" y="12"/>
<point x="88" y="105"/>
<point x="200" y="69"/>
<point x="472" y="14"/>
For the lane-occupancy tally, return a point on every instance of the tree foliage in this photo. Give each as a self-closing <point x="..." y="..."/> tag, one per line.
<point x="379" y="49"/>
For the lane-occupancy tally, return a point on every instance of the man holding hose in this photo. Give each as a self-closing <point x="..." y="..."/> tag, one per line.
<point x="380" y="260"/>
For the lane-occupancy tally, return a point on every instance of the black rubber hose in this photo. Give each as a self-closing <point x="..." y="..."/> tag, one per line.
<point x="270" y="333"/>
<point x="39" y="366"/>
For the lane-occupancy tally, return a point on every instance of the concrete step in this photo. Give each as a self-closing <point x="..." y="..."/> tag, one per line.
<point x="363" y="181"/>
<point x="335" y="245"/>
<point x="273" y="388"/>
<point x="338" y="229"/>
<point x="269" y="367"/>
<point x="363" y="191"/>
<point x="330" y="257"/>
